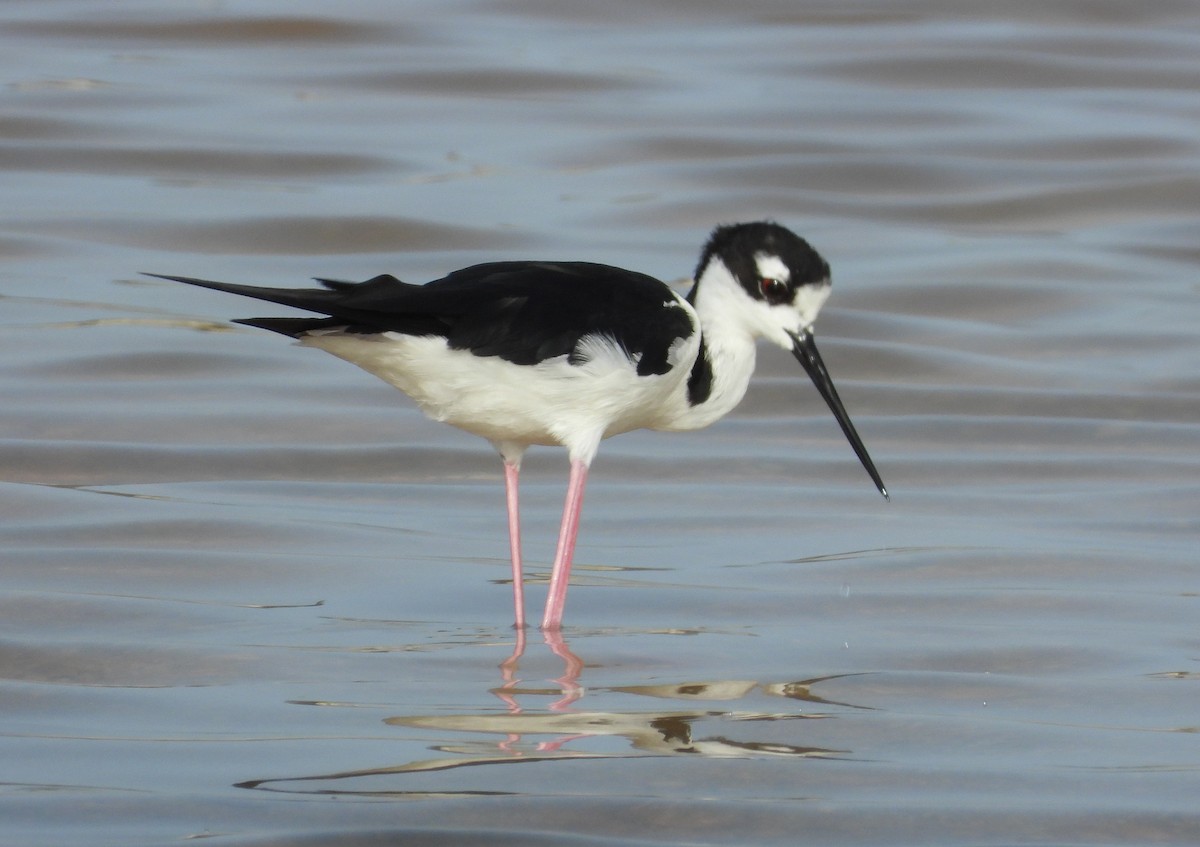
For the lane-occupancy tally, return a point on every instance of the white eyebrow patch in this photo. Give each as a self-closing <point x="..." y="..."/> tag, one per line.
<point x="771" y="267"/>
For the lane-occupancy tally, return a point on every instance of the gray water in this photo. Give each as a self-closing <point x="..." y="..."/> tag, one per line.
<point x="248" y="593"/>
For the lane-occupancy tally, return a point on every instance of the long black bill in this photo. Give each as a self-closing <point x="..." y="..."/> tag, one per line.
<point x="804" y="348"/>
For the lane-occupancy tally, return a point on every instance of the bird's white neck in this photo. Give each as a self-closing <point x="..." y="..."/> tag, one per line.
<point x="728" y="345"/>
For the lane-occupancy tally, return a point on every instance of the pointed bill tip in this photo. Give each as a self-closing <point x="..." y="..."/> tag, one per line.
<point x="805" y="351"/>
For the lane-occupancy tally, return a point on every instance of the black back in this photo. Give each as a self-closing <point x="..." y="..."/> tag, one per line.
<point x="524" y="312"/>
<point x="527" y="312"/>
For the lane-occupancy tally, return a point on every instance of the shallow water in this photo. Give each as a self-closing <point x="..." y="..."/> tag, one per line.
<point x="249" y="593"/>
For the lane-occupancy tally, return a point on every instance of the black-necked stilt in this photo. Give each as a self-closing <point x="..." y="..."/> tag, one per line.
<point x="570" y="353"/>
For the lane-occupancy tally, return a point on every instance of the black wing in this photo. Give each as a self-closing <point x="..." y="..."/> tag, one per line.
<point x="524" y="312"/>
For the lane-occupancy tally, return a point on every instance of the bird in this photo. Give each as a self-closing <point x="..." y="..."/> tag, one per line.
<point x="569" y="353"/>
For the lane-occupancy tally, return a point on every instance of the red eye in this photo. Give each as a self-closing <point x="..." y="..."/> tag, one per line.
<point x="773" y="290"/>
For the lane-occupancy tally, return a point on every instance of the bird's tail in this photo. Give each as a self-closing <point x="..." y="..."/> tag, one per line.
<point x="309" y="299"/>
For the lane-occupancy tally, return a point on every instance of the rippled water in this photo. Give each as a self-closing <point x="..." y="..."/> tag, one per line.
<point x="249" y="593"/>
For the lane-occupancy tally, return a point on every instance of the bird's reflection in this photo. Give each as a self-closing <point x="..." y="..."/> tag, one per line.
<point x="521" y="733"/>
<point x="569" y="683"/>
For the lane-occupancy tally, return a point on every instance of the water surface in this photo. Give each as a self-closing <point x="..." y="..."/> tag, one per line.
<point x="249" y="593"/>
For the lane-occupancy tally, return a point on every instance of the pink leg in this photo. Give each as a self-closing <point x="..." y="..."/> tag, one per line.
<point x="512" y="473"/>
<point x="560" y="576"/>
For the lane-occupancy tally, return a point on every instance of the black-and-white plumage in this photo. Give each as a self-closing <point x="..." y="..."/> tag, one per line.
<point x="570" y="353"/>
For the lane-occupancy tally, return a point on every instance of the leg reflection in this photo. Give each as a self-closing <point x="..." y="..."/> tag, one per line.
<point x="568" y="682"/>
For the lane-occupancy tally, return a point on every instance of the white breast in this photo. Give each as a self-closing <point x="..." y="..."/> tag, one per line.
<point x="553" y="402"/>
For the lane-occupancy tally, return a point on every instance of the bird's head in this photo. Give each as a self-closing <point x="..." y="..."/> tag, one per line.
<point x="763" y="279"/>
<point x="774" y="281"/>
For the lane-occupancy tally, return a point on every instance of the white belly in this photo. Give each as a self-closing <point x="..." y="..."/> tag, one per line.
<point x="552" y="403"/>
